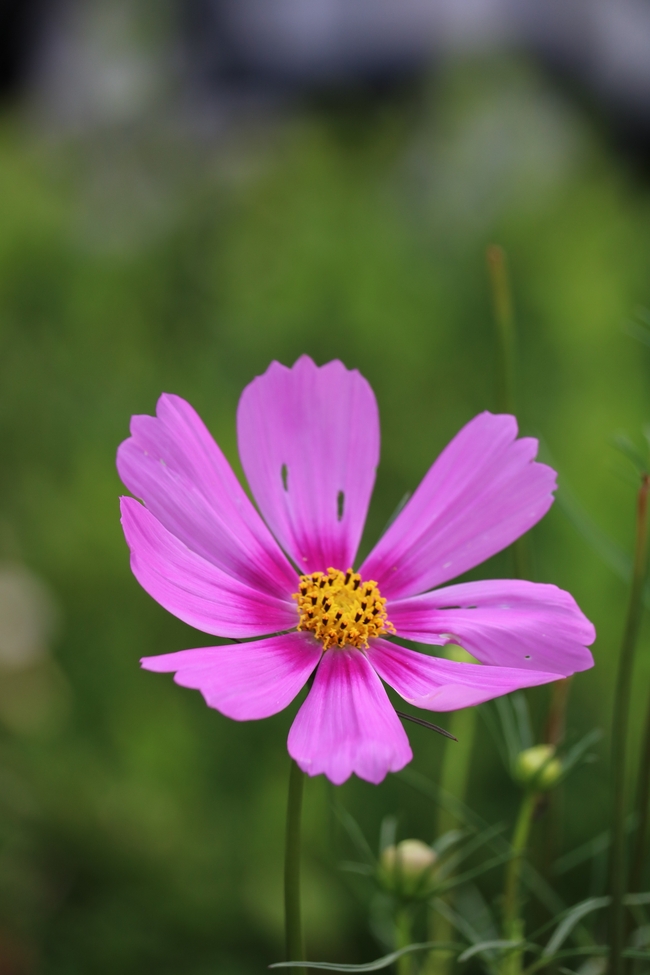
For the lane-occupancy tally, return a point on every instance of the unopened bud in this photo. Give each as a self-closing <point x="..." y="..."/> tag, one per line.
<point x="406" y="868"/>
<point x="537" y="767"/>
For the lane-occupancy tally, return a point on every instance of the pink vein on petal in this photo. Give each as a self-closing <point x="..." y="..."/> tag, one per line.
<point x="347" y="724"/>
<point x="505" y="622"/>
<point x="173" y="464"/>
<point x="194" y="589"/>
<point x="445" y="685"/>
<point x="245" y="681"/>
<point x="309" y="445"/>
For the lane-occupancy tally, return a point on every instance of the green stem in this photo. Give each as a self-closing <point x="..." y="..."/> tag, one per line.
<point x="554" y="735"/>
<point x="642" y="801"/>
<point x="617" y="869"/>
<point x="292" y="918"/>
<point x="402" y="939"/>
<point x="556" y="718"/>
<point x="513" y="926"/>
<point x="454" y="775"/>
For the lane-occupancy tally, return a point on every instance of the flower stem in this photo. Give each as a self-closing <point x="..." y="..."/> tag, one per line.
<point x="556" y="718"/>
<point x="617" y="868"/>
<point x="292" y="918"/>
<point x="402" y="939"/>
<point x="513" y="925"/>
<point x="642" y="801"/>
<point x="454" y="776"/>
<point x="554" y="732"/>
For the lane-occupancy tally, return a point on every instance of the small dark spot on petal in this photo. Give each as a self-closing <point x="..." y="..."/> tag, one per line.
<point x="284" y="474"/>
<point x="340" y="504"/>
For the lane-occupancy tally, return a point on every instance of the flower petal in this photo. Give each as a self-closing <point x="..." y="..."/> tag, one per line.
<point x="507" y="622"/>
<point x="445" y="685"/>
<point x="196" y="590"/>
<point x="245" y="681"/>
<point x="174" y="465"/>
<point x="347" y="724"/>
<point x="482" y="493"/>
<point x="309" y="445"/>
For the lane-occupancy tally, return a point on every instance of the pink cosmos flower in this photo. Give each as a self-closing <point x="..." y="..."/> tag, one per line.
<point x="309" y="446"/>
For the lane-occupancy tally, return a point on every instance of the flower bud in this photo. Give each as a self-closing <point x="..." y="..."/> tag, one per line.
<point x="406" y="869"/>
<point x="537" y="768"/>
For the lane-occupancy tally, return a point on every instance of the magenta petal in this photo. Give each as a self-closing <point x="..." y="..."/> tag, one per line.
<point x="347" y="724"/>
<point x="196" y="590"/>
<point x="172" y="463"/>
<point x="444" y="685"/>
<point x="507" y="622"/>
<point x="245" y="681"/>
<point x="309" y="445"/>
<point x="483" y="492"/>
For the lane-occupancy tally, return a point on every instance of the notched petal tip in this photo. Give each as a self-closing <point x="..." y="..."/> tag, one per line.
<point x="502" y="622"/>
<point x="437" y="684"/>
<point x="483" y="492"/>
<point x="194" y="589"/>
<point x="309" y="445"/>
<point x="347" y="724"/>
<point x="245" y="681"/>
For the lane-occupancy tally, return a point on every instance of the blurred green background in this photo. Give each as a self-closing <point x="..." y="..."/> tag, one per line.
<point x="139" y="830"/>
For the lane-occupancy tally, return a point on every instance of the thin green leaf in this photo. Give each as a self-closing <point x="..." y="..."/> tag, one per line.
<point x="400" y="506"/>
<point x="587" y="850"/>
<point x="643" y="313"/>
<point x="630" y="450"/>
<point x="576" y="914"/>
<point x="530" y="877"/>
<point x="636" y="331"/>
<point x="581" y="853"/>
<point x="593" y="951"/>
<point x="450" y="803"/>
<point x="486" y="945"/>
<point x="351" y="867"/>
<point x="488" y="715"/>
<point x="508" y="729"/>
<point x="522" y="714"/>
<point x="632" y="900"/>
<point x="465" y="878"/>
<point x="387" y="832"/>
<point x="578" y="752"/>
<point x="456" y="920"/>
<point x="354" y="831"/>
<point x="454" y="861"/>
<point x="587" y="950"/>
<point x="541" y="889"/>
<point x="611" y="554"/>
<point x="447" y="840"/>
<point x="371" y="966"/>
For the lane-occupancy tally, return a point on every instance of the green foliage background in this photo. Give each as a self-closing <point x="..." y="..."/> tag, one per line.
<point x="140" y="831"/>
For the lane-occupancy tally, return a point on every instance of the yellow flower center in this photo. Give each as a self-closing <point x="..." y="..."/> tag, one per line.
<point x="340" y="609"/>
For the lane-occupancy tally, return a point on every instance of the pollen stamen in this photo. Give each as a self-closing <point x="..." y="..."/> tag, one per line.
<point x="348" y="613"/>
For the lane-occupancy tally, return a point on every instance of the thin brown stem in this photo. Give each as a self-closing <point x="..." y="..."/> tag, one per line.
<point x="617" y="867"/>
